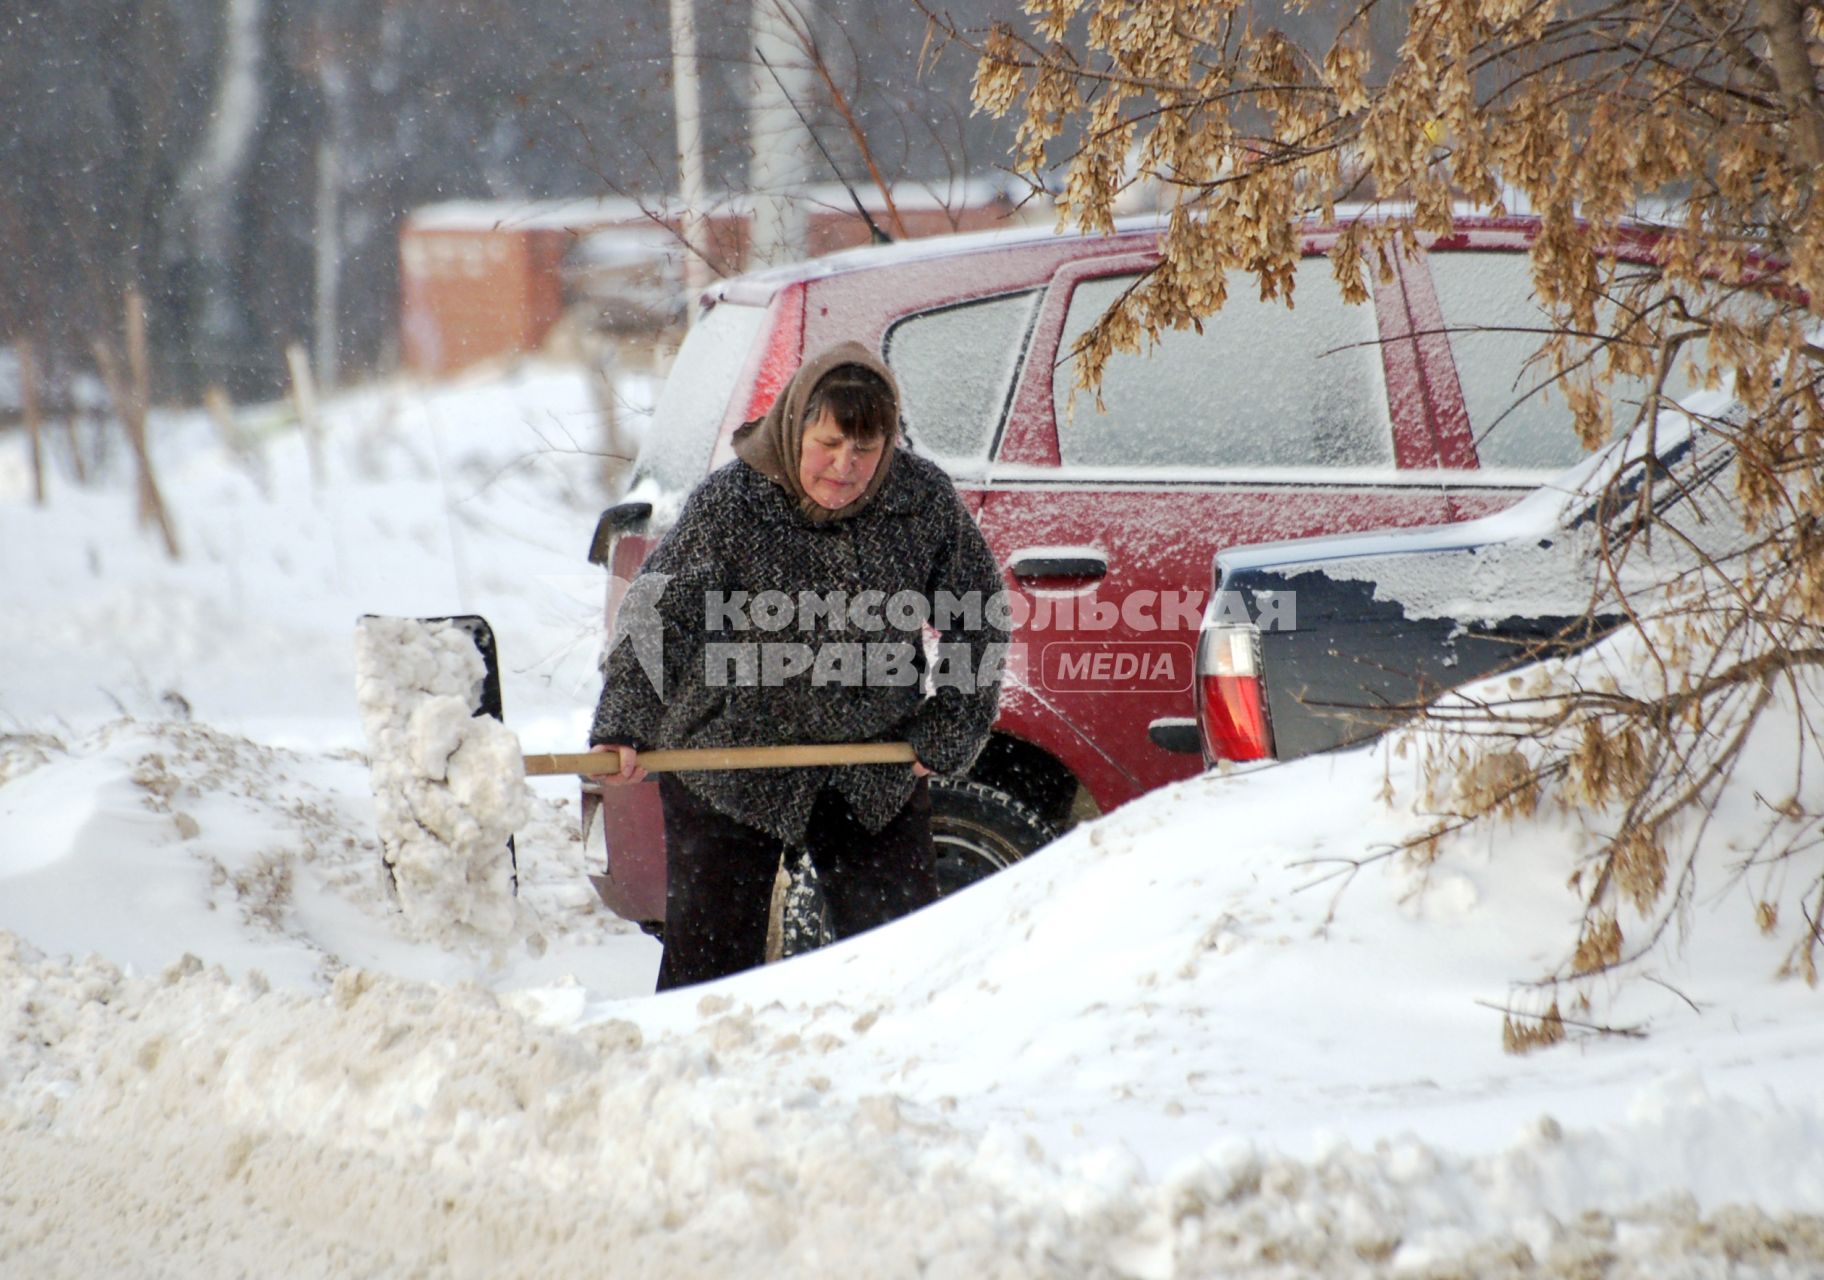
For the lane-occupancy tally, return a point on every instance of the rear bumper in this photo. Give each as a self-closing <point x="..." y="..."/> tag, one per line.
<point x="624" y="834"/>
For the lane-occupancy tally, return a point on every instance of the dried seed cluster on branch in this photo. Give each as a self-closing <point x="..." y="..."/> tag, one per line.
<point x="1703" y="118"/>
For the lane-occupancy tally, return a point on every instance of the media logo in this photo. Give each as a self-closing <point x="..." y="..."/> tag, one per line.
<point x="1112" y="666"/>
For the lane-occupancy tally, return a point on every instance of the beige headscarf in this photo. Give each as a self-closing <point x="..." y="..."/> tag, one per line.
<point x="772" y="445"/>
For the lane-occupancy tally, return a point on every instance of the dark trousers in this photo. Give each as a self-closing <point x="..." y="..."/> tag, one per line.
<point x="719" y="878"/>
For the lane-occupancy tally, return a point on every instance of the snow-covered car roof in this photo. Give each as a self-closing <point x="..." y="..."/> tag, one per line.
<point x="1539" y="514"/>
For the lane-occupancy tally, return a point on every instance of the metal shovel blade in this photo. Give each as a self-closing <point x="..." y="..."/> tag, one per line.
<point x="486" y="700"/>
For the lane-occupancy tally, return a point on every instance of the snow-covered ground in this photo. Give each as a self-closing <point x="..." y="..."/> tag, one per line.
<point x="1172" y="1044"/>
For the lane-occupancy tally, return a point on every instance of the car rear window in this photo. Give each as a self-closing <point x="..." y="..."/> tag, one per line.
<point x="955" y="368"/>
<point x="1261" y="386"/>
<point x="696" y="396"/>
<point x="1496" y="324"/>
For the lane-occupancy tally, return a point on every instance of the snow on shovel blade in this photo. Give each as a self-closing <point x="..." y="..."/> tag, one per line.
<point x="448" y="792"/>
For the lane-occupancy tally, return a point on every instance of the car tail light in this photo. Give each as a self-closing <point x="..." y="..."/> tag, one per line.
<point x="1231" y="700"/>
<point x="780" y="357"/>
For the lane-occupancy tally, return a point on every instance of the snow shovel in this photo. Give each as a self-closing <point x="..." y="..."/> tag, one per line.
<point x="485" y="700"/>
<point x="413" y="655"/>
<point x="395" y="657"/>
<point x="683" y="759"/>
<point x="423" y="660"/>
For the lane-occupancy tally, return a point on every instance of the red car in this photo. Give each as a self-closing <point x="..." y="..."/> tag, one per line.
<point x="1269" y="424"/>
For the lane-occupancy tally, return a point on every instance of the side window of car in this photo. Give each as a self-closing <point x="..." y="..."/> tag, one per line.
<point x="1496" y="324"/>
<point x="955" y="367"/>
<point x="1260" y="386"/>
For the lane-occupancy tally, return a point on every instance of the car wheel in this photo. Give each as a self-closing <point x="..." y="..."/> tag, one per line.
<point x="978" y="830"/>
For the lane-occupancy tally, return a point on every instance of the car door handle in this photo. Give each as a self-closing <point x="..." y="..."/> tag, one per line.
<point x="1072" y="564"/>
<point x="1177" y="734"/>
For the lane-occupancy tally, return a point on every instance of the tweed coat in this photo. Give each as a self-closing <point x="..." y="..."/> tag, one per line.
<point x="741" y="532"/>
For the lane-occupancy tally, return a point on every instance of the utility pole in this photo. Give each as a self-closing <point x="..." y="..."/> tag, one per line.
<point x="776" y="173"/>
<point x="689" y="112"/>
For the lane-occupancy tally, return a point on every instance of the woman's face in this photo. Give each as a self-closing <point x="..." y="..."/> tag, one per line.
<point x="834" y="469"/>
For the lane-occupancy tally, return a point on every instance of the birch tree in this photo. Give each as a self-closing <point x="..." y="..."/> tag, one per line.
<point x="214" y="181"/>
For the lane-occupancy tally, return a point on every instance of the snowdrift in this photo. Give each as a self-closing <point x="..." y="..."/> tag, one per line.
<point x="1175" y="1043"/>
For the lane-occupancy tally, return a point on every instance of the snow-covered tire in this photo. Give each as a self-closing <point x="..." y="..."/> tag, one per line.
<point x="978" y="830"/>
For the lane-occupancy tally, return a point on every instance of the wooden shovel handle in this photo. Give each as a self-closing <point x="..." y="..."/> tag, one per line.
<point x="600" y="763"/>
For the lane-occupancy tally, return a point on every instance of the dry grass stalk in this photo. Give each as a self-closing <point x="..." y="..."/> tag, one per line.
<point x="28" y="391"/>
<point x="304" y="399"/>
